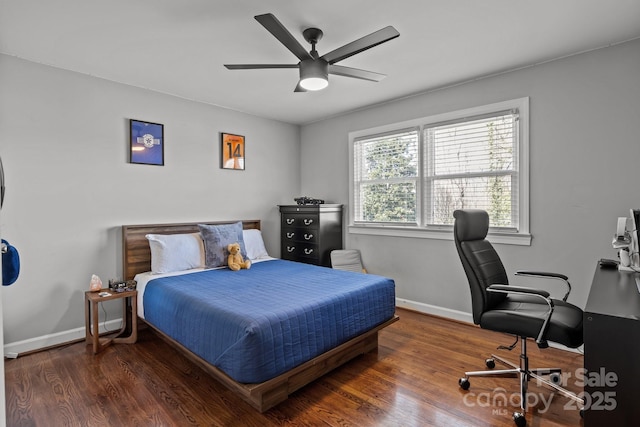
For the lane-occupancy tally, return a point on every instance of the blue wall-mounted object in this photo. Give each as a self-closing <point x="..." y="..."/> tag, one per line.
<point x="10" y="263"/>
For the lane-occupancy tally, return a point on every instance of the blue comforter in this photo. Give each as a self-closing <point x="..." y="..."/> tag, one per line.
<point x="256" y="324"/>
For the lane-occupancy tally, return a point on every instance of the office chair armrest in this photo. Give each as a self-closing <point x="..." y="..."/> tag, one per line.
<point x="541" y="274"/>
<point x="547" y="275"/>
<point x="521" y="290"/>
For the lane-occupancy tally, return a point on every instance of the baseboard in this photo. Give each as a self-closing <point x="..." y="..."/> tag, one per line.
<point x="434" y="310"/>
<point x="13" y="350"/>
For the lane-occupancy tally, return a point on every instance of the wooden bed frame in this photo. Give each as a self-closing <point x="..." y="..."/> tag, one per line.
<point x="265" y="395"/>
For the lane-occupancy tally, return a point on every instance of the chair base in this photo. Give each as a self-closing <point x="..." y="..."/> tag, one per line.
<point x="525" y="374"/>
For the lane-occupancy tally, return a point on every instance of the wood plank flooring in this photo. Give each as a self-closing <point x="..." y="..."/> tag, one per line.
<point x="412" y="380"/>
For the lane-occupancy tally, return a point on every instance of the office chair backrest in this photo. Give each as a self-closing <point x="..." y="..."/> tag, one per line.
<point x="481" y="262"/>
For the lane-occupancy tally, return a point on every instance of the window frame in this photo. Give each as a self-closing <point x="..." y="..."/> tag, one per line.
<point x="521" y="236"/>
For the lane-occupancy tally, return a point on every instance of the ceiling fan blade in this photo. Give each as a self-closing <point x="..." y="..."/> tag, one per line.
<point x="258" y="66"/>
<point x="339" y="70"/>
<point x="276" y="28"/>
<point x="362" y="44"/>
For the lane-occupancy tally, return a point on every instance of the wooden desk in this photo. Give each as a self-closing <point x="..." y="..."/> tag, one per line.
<point x="612" y="346"/>
<point x="129" y="319"/>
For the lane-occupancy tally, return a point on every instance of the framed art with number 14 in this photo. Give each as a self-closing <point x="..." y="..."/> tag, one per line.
<point x="232" y="151"/>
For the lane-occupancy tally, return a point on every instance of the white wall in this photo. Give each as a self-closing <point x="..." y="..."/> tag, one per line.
<point x="584" y="158"/>
<point x="64" y="143"/>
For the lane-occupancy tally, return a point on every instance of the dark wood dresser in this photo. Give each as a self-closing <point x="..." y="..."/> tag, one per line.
<point x="308" y="233"/>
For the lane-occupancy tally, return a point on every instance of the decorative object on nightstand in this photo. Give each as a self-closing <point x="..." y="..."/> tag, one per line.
<point x="116" y="285"/>
<point x="95" y="285"/>
<point x="129" y="318"/>
<point x="310" y="232"/>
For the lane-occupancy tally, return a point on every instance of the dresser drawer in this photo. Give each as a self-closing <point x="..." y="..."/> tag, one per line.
<point x="296" y="250"/>
<point x="304" y="235"/>
<point x="304" y="220"/>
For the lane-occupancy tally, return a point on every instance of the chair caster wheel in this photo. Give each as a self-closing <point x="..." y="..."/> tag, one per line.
<point x="555" y="378"/>
<point x="464" y="383"/>
<point x="519" y="419"/>
<point x="490" y="363"/>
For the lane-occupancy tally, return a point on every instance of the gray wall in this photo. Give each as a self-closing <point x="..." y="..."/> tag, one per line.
<point x="584" y="160"/>
<point x="64" y="143"/>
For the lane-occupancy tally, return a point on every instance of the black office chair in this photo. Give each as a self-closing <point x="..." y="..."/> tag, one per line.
<point x="523" y="312"/>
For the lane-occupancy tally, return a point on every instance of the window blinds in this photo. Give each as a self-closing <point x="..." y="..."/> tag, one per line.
<point x="472" y="163"/>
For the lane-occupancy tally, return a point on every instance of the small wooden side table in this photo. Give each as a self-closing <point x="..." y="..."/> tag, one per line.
<point x="129" y="318"/>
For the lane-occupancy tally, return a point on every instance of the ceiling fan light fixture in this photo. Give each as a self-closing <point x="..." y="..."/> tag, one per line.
<point x="315" y="69"/>
<point x="314" y="74"/>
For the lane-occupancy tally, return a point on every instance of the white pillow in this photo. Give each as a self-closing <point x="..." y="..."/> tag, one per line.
<point x="254" y="244"/>
<point x="175" y="252"/>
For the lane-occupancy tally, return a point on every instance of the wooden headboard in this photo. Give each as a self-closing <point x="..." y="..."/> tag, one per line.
<point x="136" y="255"/>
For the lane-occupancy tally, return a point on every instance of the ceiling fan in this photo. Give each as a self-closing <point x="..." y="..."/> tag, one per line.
<point x="315" y="69"/>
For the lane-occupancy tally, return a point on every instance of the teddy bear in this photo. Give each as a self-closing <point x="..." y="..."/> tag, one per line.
<point x="235" y="260"/>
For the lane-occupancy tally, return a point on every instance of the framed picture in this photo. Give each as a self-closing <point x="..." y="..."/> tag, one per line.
<point x="232" y="151"/>
<point x="146" y="143"/>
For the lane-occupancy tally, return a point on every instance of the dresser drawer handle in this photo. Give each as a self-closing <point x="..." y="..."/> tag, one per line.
<point x="290" y="235"/>
<point x="308" y="221"/>
<point x="291" y="248"/>
<point x="290" y="220"/>
<point x="308" y="236"/>
<point x="308" y="251"/>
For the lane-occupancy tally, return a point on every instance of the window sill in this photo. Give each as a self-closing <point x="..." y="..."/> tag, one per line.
<point x="520" y="239"/>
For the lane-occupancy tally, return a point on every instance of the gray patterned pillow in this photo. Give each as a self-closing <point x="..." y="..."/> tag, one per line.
<point x="216" y="238"/>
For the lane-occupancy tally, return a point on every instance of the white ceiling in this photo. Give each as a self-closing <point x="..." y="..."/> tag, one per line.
<point x="179" y="47"/>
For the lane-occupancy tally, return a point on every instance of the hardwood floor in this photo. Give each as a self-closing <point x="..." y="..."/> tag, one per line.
<point x="412" y="380"/>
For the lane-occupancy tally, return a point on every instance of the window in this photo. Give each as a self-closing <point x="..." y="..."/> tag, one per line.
<point x="408" y="178"/>
<point x="387" y="178"/>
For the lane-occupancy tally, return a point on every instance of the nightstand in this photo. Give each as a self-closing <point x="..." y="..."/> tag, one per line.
<point x="129" y="318"/>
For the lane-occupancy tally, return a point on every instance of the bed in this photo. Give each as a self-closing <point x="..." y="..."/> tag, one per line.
<point x="262" y="332"/>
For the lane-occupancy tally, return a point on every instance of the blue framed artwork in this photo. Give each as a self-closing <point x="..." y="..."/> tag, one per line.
<point x="146" y="143"/>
